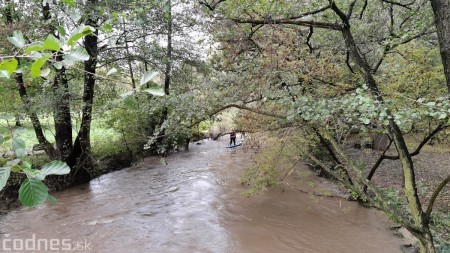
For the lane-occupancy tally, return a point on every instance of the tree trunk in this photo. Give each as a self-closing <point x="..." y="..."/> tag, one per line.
<point x="48" y="147"/>
<point x="169" y="51"/>
<point x="80" y="157"/>
<point x="61" y="104"/>
<point x="130" y="65"/>
<point x="61" y="113"/>
<point x="409" y="186"/>
<point x="441" y="9"/>
<point x="426" y="241"/>
<point x="167" y="74"/>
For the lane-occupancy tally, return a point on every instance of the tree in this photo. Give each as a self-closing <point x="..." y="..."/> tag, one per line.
<point x="324" y="115"/>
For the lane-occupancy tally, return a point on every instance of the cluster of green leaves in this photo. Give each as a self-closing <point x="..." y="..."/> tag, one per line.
<point x="32" y="191"/>
<point x="147" y="85"/>
<point x="361" y="108"/>
<point x="43" y="52"/>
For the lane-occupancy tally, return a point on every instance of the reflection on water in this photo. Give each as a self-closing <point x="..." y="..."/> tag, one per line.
<point x="193" y="204"/>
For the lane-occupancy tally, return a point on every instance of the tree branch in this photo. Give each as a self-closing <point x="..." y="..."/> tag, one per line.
<point x="400" y="4"/>
<point x="377" y="164"/>
<point x="350" y="9"/>
<point x="311" y="12"/>
<point x="211" y="6"/>
<point x="439" y="128"/>
<point x="434" y="196"/>
<point x="287" y="21"/>
<point x="308" y="39"/>
<point x="242" y="107"/>
<point x="363" y="10"/>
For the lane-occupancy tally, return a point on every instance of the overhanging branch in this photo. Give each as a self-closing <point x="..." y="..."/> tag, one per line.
<point x="287" y="21"/>
<point x="242" y="107"/>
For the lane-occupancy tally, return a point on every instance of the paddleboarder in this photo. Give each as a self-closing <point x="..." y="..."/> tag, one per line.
<point x="233" y="138"/>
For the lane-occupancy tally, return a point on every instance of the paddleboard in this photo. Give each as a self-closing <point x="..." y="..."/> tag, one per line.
<point x="233" y="146"/>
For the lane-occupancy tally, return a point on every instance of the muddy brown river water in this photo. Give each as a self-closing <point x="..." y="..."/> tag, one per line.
<point x="193" y="204"/>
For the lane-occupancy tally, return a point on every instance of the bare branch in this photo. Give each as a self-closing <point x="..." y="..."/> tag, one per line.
<point x="311" y="12"/>
<point x="434" y="196"/>
<point x="308" y="38"/>
<point x="377" y="164"/>
<point x="350" y="11"/>
<point x="412" y="14"/>
<point x="400" y="4"/>
<point x="211" y="6"/>
<point x="439" y="128"/>
<point x="363" y="10"/>
<point x="285" y="21"/>
<point x="388" y="47"/>
<point x="242" y="107"/>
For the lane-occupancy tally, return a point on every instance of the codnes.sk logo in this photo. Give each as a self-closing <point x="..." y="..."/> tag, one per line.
<point x="34" y="244"/>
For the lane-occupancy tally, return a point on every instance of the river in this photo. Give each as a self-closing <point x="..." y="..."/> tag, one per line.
<point x="193" y="204"/>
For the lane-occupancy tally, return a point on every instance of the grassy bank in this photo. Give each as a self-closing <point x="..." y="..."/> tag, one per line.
<point x="111" y="151"/>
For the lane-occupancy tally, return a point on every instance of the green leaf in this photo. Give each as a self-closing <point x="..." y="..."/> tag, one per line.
<point x="61" y="30"/>
<point x="1" y="140"/>
<point x="55" y="168"/>
<point x="79" y="33"/>
<point x="5" y="117"/>
<point x="126" y="94"/>
<point x="130" y="101"/>
<point x="45" y="72"/>
<point x="4" y="175"/>
<point x="365" y="120"/>
<point x="4" y="130"/>
<point x="12" y="163"/>
<point x="19" y="130"/>
<point x="52" y="199"/>
<point x="26" y="164"/>
<point x="18" y="144"/>
<point x="155" y="91"/>
<point x="37" y="65"/>
<point x="17" y="39"/>
<point x="51" y="43"/>
<point x="30" y="172"/>
<point x="75" y="16"/>
<point x="107" y="28"/>
<point x="20" y="152"/>
<point x="111" y="71"/>
<point x="79" y="54"/>
<point x="57" y="65"/>
<point x="4" y="74"/>
<point x="35" y="47"/>
<point x="148" y="76"/>
<point x="32" y="192"/>
<point x="71" y="3"/>
<point x="10" y="65"/>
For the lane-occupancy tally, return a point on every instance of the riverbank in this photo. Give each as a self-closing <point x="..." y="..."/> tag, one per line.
<point x="104" y="165"/>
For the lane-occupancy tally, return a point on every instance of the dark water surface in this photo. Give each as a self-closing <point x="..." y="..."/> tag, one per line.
<point x="194" y="204"/>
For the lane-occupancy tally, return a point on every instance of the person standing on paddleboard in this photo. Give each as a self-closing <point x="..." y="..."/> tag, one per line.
<point x="233" y="137"/>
